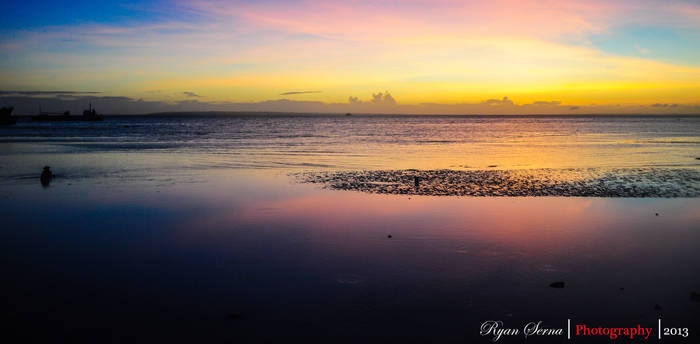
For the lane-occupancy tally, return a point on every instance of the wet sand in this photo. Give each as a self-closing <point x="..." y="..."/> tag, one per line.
<point x="196" y="230"/>
<point x="252" y="256"/>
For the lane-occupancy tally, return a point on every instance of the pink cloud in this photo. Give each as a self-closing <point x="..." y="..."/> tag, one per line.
<point x="363" y="19"/>
<point x="368" y="19"/>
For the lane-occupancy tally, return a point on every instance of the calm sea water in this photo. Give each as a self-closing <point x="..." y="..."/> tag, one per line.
<point x="190" y="230"/>
<point x="365" y="142"/>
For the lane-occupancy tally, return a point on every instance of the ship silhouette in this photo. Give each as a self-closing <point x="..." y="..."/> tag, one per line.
<point x="88" y="115"/>
<point x="6" y="117"/>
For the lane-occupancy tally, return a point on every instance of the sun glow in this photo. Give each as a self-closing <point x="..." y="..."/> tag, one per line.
<point x="574" y="53"/>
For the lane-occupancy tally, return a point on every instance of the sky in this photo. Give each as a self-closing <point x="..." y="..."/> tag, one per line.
<point x="411" y="56"/>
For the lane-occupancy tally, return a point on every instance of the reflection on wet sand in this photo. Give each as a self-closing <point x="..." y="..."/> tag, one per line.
<point x="241" y="253"/>
<point x="190" y="229"/>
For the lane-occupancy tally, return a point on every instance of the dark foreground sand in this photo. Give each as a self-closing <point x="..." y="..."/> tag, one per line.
<point x="248" y="257"/>
<point x="593" y="182"/>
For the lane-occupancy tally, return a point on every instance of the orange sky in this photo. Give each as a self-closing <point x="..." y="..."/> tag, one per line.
<point x="564" y="56"/>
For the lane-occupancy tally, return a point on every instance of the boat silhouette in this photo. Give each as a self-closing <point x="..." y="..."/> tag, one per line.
<point x="6" y="117"/>
<point x="88" y="115"/>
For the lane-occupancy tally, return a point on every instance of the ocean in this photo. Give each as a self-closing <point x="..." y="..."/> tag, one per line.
<point x="363" y="228"/>
<point x="259" y="141"/>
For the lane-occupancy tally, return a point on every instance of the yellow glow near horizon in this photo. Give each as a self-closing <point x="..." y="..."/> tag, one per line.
<point x="440" y="52"/>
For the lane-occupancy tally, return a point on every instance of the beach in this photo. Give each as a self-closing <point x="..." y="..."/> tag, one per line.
<point x="235" y="228"/>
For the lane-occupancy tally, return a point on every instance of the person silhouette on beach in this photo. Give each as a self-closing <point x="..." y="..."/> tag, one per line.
<point x="46" y="176"/>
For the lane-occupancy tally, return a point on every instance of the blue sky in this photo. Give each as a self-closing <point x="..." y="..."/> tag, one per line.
<point x="667" y="44"/>
<point x="33" y="14"/>
<point x="574" y="52"/>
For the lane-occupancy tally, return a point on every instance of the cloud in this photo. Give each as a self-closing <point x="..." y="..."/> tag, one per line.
<point x="381" y="102"/>
<point x="642" y="50"/>
<point x="298" y="92"/>
<point x="552" y="103"/>
<point x="504" y="101"/>
<point x="235" y="46"/>
<point x="378" y="98"/>
<point x="49" y="93"/>
<point x="191" y="94"/>
<point x="383" y="98"/>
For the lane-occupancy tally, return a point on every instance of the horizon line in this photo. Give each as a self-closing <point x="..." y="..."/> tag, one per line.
<point x="223" y="112"/>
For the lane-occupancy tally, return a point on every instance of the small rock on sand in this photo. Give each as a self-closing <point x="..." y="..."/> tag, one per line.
<point x="557" y="285"/>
